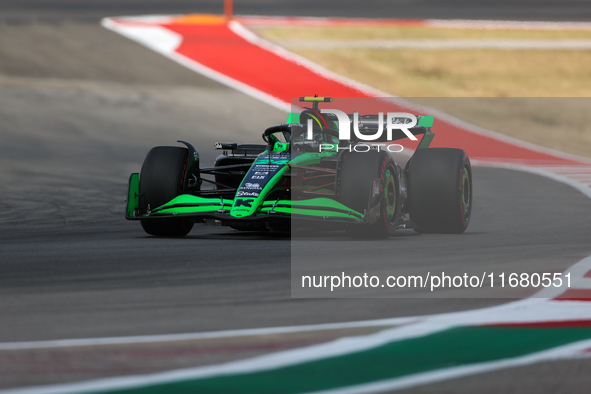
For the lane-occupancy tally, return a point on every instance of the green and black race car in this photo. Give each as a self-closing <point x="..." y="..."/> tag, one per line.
<point x="304" y="175"/>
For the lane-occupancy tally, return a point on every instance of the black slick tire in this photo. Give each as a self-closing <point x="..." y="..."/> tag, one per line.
<point x="161" y="180"/>
<point x="440" y="190"/>
<point x="358" y="171"/>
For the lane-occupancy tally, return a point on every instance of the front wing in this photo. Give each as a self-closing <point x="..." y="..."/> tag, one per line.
<point x="198" y="208"/>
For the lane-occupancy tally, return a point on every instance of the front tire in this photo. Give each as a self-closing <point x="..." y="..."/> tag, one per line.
<point x="356" y="180"/>
<point x="161" y="180"/>
<point x="440" y="190"/>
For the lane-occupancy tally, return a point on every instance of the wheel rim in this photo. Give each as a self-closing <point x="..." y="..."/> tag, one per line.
<point x="465" y="191"/>
<point x="390" y="197"/>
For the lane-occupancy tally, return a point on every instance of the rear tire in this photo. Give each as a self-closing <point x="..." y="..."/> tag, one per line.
<point x="440" y="190"/>
<point x="356" y="180"/>
<point x="161" y="180"/>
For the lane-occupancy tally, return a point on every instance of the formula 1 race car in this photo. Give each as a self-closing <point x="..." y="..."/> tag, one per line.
<point x="305" y="175"/>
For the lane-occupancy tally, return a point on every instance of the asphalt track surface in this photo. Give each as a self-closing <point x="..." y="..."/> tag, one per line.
<point x="549" y="10"/>
<point x="80" y="107"/>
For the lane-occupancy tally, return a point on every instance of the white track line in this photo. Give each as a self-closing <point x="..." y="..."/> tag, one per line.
<point x="59" y="343"/>
<point x="439" y="44"/>
<point x="258" y="20"/>
<point x="578" y="281"/>
<point x="502" y="25"/>
<point x="582" y="283"/>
